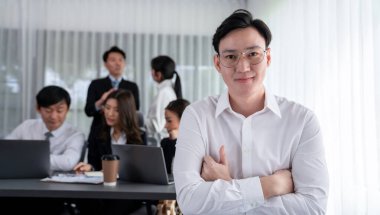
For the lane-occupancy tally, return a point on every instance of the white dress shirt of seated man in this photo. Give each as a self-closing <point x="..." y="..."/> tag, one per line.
<point x="66" y="142"/>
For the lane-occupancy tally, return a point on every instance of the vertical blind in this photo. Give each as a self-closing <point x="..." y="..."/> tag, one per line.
<point x="61" y="42"/>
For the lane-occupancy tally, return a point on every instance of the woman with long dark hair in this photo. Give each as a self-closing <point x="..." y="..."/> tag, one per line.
<point x="120" y="126"/>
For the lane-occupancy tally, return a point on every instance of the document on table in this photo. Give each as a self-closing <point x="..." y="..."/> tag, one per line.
<point x="87" y="178"/>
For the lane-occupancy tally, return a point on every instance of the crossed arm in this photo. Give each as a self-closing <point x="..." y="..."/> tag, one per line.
<point x="205" y="185"/>
<point x="279" y="183"/>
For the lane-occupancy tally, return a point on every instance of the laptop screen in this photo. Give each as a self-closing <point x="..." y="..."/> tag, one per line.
<point x="140" y="163"/>
<point x="24" y="159"/>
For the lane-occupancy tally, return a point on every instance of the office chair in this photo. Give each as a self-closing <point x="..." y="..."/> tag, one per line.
<point x="84" y="151"/>
<point x="140" y="119"/>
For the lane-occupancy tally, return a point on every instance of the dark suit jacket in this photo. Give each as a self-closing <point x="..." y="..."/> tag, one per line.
<point x="96" y="90"/>
<point x="98" y="146"/>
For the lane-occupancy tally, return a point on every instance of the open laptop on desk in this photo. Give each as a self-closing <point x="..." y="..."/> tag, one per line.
<point x="24" y="159"/>
<point x="139" y="163"/>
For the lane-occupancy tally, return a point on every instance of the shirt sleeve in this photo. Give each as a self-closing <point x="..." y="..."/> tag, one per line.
<point x="156" y="122"/>
<point x="90" y="108"/>
<point x="196" y="196"/>
<point x="309" y="171"/>
<point x="71" y="154"/>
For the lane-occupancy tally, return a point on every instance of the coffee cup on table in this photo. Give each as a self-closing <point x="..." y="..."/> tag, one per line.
<point x="110" y="165"/>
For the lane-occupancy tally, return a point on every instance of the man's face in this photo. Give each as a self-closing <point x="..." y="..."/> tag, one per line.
<point x="115" y="64"/>
<point x="243" y="79"/>
<point x="54" y="115"/>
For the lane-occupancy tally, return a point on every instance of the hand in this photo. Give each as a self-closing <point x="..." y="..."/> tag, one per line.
<point x="279" y="183"/>
<point x="82" y="167"/>
<point x="102" y="99"/>
<point x="212" y="170"/>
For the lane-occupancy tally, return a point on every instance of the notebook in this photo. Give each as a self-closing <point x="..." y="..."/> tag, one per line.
<point x="141" y="163"/>
<point x="24" y="159"/>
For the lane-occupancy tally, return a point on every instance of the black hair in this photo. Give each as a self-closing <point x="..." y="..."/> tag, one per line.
<point x="177" y="106"/>
<point x="241" y="19"/>
<point x="51" y="95"/>
<point x="166" y="66"/>
<point x="113" y="49"/>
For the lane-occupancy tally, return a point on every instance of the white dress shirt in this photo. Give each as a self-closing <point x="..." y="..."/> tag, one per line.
<point x="155" y="122"/>
<point x="122" y="139"/>
<point x="65" y="145"/>
<point x="284" y="135"/>
<point x="115" y="80"/>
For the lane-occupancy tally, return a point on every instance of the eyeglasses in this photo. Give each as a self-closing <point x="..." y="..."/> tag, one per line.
<point x="254" y="55"/>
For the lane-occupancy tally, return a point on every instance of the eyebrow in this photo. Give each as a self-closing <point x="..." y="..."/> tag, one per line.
<point x="234" y="50"/>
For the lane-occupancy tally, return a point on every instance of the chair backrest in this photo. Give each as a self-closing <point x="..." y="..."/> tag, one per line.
<point x="152" y="141"/>
<point x="84" y="150"/>
<point x="140" y="119"/>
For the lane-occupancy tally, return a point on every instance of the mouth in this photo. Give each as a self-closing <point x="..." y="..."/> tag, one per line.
<point x="110" y="121"/>
<point x="52" y="123"/>
<point x="244" y="79"/>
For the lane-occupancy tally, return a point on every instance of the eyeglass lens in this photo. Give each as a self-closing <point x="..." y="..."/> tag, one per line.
<point x="231" y="58"/>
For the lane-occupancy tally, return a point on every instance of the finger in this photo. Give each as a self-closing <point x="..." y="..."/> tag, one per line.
<point x="208" y="160"/>
<point x="222" y="155"/>
<point x="204" y="173"/>
<point x="110" y="91"/>
<point x="76" y="167"/>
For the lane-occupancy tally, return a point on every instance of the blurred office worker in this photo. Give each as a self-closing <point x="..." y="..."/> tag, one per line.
<point x="66" y="142"/>
<point x="173" y="114"/>
<point x="119" y="126"/>
<point x="163" y="73"/>
<point x="99" y="89"/>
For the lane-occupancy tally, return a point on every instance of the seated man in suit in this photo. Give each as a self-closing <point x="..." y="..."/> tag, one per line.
<point x="99" y="89"/>
<point x="66" y="142"/>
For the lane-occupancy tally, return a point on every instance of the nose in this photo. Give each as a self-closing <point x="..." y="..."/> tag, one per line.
<point x="53" y="115"/>
<point x="111" y="113"/>
<point x="243" y="65"/>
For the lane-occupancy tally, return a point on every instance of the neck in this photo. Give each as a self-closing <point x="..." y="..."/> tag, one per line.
<point x="116" y="133"/>
<point x="116" y="77"/>
<point x="248" y="105"/>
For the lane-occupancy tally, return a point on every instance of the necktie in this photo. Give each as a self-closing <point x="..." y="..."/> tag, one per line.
<point x="48" y="135"/>
<point x="115" y="84"/>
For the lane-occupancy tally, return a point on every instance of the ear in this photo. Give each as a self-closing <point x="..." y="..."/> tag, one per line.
<point x="269" y="57"/>
<point x="159" y="76"/>
<point x="217" y="62"/>
<point x="38" y="109"/>
<point x="105" y="65"/>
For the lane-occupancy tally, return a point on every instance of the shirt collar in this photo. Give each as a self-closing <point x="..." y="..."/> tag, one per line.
<point x="165" y="83"/>
<point x="115" y="79"/>
<point x="223" y="103"/>
<point x="270" y="102"/>
<point x="122" y="139"/>
<point x="57" y="132"/>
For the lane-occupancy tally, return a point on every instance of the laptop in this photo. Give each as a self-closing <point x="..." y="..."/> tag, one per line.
<point x="141" y="163"/>
<point x="24" y="159"/>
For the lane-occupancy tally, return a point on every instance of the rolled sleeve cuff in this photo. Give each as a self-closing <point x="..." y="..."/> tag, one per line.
<point x="252" y="193"/>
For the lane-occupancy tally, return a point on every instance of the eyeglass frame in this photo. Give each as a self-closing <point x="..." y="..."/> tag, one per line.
<point x="244" y="53"/>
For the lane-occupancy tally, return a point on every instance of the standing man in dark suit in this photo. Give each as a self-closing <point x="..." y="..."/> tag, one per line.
<point x="99" y="89"/>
